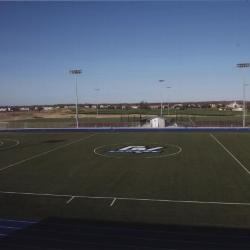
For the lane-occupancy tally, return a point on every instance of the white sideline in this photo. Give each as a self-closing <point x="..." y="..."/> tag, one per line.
<point x="126" y="198"/>
<point x="18" y="221"/>
<point x="8" y="227"/>
<point x="44" y="153"/>
<point x="230" y="153"/>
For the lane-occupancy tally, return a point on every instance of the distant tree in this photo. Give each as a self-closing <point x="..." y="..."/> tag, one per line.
<point x="144" y="105"/>
<point x="205" y="105"/>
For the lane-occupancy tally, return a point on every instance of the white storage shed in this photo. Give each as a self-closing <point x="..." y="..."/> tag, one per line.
<point x="157" y="122"/>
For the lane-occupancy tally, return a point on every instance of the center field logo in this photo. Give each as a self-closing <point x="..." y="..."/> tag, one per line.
<point x="130" y="150"/>
<point x="137" y="149"/>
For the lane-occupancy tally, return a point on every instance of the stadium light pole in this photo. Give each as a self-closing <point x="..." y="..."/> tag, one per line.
<point x="76" y="72"/>
<point x="244" y="104"/>
<point x="97" y="90"/>
<point x="244" y="65"/>
<point x="168" y="87"/>
<point x="161" y="81"/>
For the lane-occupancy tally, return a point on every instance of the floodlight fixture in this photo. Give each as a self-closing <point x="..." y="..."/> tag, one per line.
<point x="243" y="65"/>
<point x="76" y="72"/>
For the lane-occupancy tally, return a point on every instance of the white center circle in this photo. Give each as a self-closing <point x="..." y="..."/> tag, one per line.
<point x="129" y="150"/>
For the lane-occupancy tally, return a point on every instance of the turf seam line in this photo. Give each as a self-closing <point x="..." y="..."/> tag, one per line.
<point x="44" y="153"/>
<point x="127" y="198"/>
<point x="230" y="153"/>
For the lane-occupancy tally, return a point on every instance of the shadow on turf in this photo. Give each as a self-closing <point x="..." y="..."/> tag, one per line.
<point x="65" y="233"/>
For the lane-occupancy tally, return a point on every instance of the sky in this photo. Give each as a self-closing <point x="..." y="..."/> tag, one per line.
<point x="123" y="49"/>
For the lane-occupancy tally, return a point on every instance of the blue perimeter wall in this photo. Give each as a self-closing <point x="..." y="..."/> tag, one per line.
<point x="122" y="129"/>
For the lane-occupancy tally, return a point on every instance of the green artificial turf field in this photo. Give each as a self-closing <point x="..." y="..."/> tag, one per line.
<point x="190" y="179"/>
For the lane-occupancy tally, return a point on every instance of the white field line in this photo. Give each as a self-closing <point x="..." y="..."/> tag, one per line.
<point x="70" y="199"/>
<point x="18" y="221"/>
<point x="126" y="198"/>
<point x="8" y="227"/>
<point x="44" y="153"/>
<point x="16" y="143"/>
<point x="113" y="201"/>
<point x="230" y="153"/>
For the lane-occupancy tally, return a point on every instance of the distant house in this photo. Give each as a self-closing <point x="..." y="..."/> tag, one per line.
<point x="24" y="109"/>
<point x="238" y="109"/>
<point x="221" y="109"/>
<point x="154" y="106"/>
<point x="103" y="106"/>
<point x="212" y="105"/>
<point x="3" y="109"/>
<point x="233" y="105"/>
<point x="178" y="106"/>
<point x="134" y="107"/>
<point x="47" y="108"/>
<point x="193" y="105"/>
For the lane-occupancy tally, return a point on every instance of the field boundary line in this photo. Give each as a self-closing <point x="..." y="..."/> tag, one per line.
<point x="230" y="153"/>
<point x="223" y="203"/>
<point x="44" y="153"/>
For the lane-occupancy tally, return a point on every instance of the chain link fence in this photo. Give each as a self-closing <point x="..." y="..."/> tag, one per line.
<point x="58" y="124"/>
<point x="172" y="120"/>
